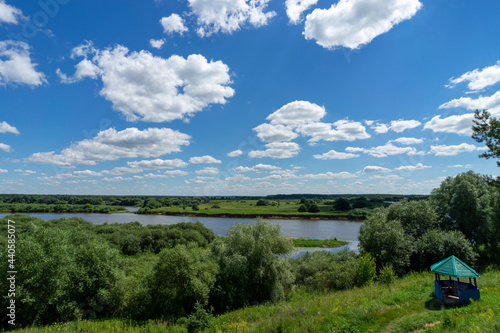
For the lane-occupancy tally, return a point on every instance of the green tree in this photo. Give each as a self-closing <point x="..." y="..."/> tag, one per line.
<point x="182" y="277"/>
<point x="262" y="202"/>
<point x="251" y="270"/>
<point x="342" y="204"/>
<point x="487" y="129"/>
<point x="386" y="241"/>
<point x="416" y="217"/>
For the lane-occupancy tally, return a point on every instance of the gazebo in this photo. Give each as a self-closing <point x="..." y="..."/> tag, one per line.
<point x="453" y="291"/>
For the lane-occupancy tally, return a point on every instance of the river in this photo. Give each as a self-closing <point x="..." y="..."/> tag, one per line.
<point x="315" y="229"/>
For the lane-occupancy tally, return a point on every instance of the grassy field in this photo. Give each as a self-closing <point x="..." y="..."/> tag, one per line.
<point x="407" y="305"/>
<point x="249" y="207"/>
<point x="303" y="242"/>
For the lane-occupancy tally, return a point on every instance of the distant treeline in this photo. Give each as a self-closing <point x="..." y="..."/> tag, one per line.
<point x="372" y="197"/>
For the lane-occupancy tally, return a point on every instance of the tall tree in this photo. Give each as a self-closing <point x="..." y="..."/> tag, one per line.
<point x="487" y="129"/>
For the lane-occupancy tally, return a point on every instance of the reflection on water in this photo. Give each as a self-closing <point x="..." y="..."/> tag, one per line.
<point x="315" y="229"/>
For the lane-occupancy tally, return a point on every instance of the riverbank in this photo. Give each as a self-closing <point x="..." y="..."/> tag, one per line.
<point x="264" y="216"/>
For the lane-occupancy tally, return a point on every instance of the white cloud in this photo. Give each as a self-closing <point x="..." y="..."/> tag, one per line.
<point x="295" y="8"/>
<point x="4" y="171"/>
<point x="237" y="178"/>
<point x="408" y="141"/>
<point x="203" y="159"/>
<point x="25" y="172"/>
<point x="207" y="171"/>
<point x="399" y="126"/>
<point x="227" y="16"/>
<point x="456" y="166"/>
<point x="5" y="147"/>
<point x="16" y="65"/>
<point x="374" y="168"/>
<point x="199" y="180"/>
<point x="353" y="23"/>
<point x="345" y="130"/>
<point x="258" y="168"/>
<point x="330" y="175"/>
<point x="173" y="23"/>
<point x="479" y="79"/>
<point x="418" y="166"/>
<point x="110" y="145"/>
<point x="444" y="150"/>
<point x="150" y="88"/>
<point x="235" y="153"/>
<point x="6" y="128"/>
<point x="297" y="113"/>
<point x="157" y="43"/>
<point x="277" y="150"/>
<point x="459" y="124"/>
<point x="115" y="179"/>
<point x="491" y="103"/>
<point x="383" y="151"/>
<point x="275" y="133"/>
<point x="380" y="128"/>
<point x="334" y="155"/>
<point x="9" y="14"/>
<point x="142" y="165"/>
<point x="176" y="173"/>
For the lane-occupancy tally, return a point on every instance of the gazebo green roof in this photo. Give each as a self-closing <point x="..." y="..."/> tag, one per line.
<point x="452" y="266"/>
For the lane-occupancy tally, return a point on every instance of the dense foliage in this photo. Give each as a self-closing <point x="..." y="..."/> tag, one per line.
<point x="460" y="218"/>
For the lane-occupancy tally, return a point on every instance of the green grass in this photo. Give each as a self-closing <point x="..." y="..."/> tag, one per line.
<point x="407" y="305"/>
<point x="305" y="242"/>
<point x="249" y="207"/>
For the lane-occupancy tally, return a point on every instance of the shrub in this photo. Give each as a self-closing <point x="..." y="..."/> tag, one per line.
<point x="302" y="209"/>
<point x="199" y="319"/>
<point x="387" y="275"/>
<point x="251" y="271"/>
<point x="262" y="202"/>
<point x="367" y="269"/>
<point x="182" y="277"/>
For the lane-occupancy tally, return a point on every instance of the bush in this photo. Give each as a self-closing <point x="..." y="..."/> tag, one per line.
<point x="387" y="275"/>
<point x="65" y="276"/>
<point x="302" y="209"/>
<point x="198" y="320"/>
<point x="251" y="271"/>
<point x="182" y="277"/>
<point x="367" y="269"/>
<point x="262" y="202"/>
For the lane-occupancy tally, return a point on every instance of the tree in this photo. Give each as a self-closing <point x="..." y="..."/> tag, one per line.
<point x="487" y="129"/>
<point x="262" y="202"/>
<point x="386" y="241"/>
<point x="182" y="277"/>
<point x="416" y="217"/>
<point x="251" y="270"/>
<point x="342" y="204"/>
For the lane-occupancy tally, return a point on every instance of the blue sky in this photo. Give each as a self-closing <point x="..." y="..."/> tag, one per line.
<point x="226" y="97"/>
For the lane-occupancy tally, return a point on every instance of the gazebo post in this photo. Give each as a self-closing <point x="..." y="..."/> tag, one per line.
<point x="475" y="283"/>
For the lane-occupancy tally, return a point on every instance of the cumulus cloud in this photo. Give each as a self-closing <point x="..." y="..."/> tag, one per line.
<point x="175" y="173"/>
<point x="353" y="23"/>
<point x="4" y="171"/>
<point x="25" y="172"/>
<point x="458" y="124"/>
<point x="226" y="16"/>
<point x="380" y="128"/>
<point x="277" y="150"/>
<point x="5" y="147"/>
<point x="235" y="153"/>
<point x="237" y="178"/>
<point x="156" y="43"/>
<point x="208" y="171"/>
<point x="204" y="159"/>
<point x="330" y="175"/>
<point x="173" y="23"/>
<point x="110" y="145"/>
<point x="6" y="128"/>
<point x="334" y="155"/>
<point x="257" y="168"/>
<point x="142" y="165"/>
<point x="451" y="150"/>
<point x="399" y="126"/>
<point x="275" y="133"/>
<point x="408" y="141"/>
<point x="199" y="180"/>
<point x="16" y="66"/>
<point x="345" y="130"/>
<point x="491" y="103"/>
<point x="150" y="88"/>
<point x="479" y="79"/>
<point x="295" y="8"/>
<point x="374" y="168"/>
<point x="297" y="113"/>
<point x="383" y="151"/>
<point x="418" y="166"/>
<point x="9" y="14"/>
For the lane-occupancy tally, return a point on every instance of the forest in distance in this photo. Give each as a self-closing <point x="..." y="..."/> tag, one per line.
<point x="285" y="206"/>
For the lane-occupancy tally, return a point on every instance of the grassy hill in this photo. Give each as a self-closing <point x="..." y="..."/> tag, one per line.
<point x="407" y="305"/>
